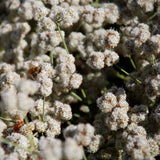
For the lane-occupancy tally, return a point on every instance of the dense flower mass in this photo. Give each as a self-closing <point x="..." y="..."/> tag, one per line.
<point x="79" y="79"/>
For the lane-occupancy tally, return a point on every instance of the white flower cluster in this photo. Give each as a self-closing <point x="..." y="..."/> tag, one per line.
<point x="84" y="136"/>
<point x="41" y="70"/>
<point x="12" y="40"/>
<point x="151" y="78"/>
<point x="134" y="39"/>
<point x="139" y="113"/>
<point x="93" y="18"/>
<point x="67" y="16"/>
<point x="54" y="115"/>
<point x="137" y="144"/>
<point x="66" y="76"/>
<point x="115" y="105"/>
<point x="147" y="5"/>
<point x="51" y="148"/>
<point x="61" y="58"/>
<point x="15" y="92"/>
<point x="30" y="9"/>
<point x="97" y="60"/>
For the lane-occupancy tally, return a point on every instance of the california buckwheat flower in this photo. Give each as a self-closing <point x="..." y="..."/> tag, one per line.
<point x="76" y="42"/>
<point x="96" y="60"/>
<point x="111" y="12"/>
<point x="82" y="133"/>
<point x="46" y="24"/>
<point x="146" y="5"/>
<point x="65" y="17"/>
<point x="71" y="146"/>
<point x="116" y="108"/>
<point x="139" y="113"/>
<point x="22" y="141"/>
<point x="62" y="111"/>
<point x="107" y="102"/>
<point x="96" y="142"/>
<point x="79" y="79"/>
<point x="111" y="58"/>
<point x="50" y="148"/>
<point x="66" y="76"/>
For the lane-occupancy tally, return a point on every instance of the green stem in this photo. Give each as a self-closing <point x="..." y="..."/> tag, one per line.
<point x="7" y="120"/>
<point x="35" y="134"/>
<point x="76" y="96"/>
<point x="69" y="123"/>
<point x="64" y="43"/>
<point x="153" y="16"/>
<point x="92" y="3"/>
<point x="153" y="59"/>
<point x="76" y="115"/>
<point x="51" y="57"/>
<point x="39" y="117"/>
<point x="132" y="62"/>
<point x="26" y="119"/>
<point x="83" y="93"/>
<point x="43" y="108"/>
<point x="125" y="72"/>
<point x="96" y="5"/>
<point x="84" y="155"/>
<point x="121" y="76"/>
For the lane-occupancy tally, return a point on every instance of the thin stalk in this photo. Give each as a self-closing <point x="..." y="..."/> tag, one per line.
<point x="64" y="43"/>
<point x="125" y="72"/>
<point x="92" y="3"/>
<point x="132" y="62"/>
<point x="26" y="120"/>
<point x="7" y="120"/>
<point x="83" y="93"/>
<point x="43" y="108"/>
<point x="76" y="96"/>
<point x="153" y="59"/>
<point x="79" y="26"/>
<point x="89" y="102"/>
<point x="39" y="117"/>
<point x="69" y="123"/>
<point x="84" y="155"/>
<point x="51" y="57"/>
<point x="35" y="134"/>
<point x="76" y="115"/>
<point x="121" y="76"/>
<point x="153" y="16"/>
<point x="96" y="5"/>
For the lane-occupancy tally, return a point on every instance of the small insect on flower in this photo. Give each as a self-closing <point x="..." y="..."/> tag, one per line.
<point x="17" y="126"/>
<point x="33" y="71"/>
